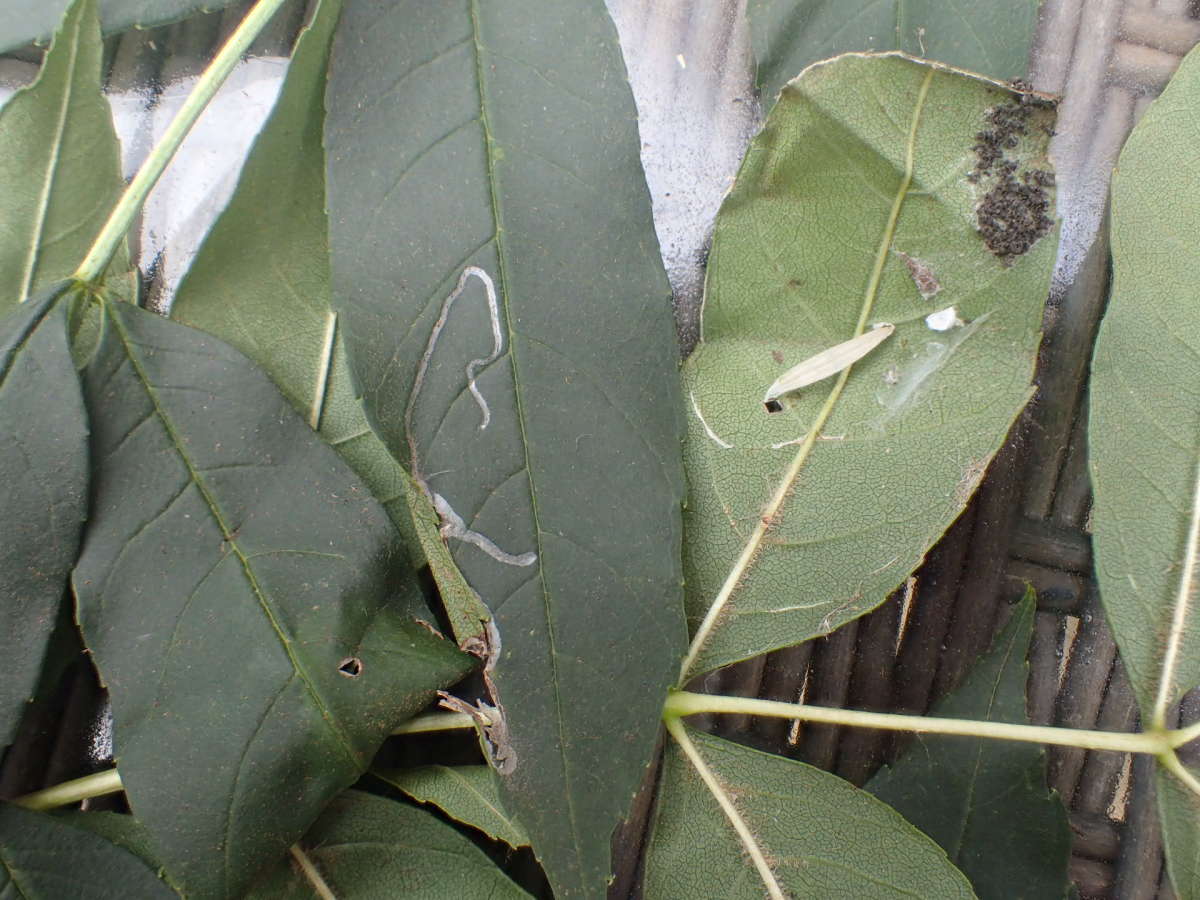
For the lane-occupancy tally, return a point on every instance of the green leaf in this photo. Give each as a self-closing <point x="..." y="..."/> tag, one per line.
<point x="1179" y="812"/>
<point x="1144" y="433"/>
<point x="866" y="198"/>
<point x="245" y="600"/>
<point x="985" y="801"/>
<point x="982" y="36"/>
<point x="1144" y="436"/>
<point x="24" y="21"/>
<point x="43" y="858"/>
<point x="60" y="171"/>
<point x="260" y="280"/>
<point x="467" y="794"/>
<point x="493" y="146"/>
<point x="43" y="490"/>
<point x="820" y="835"/>
<point x="123" y="830"/>
<point x="368" y="848"/>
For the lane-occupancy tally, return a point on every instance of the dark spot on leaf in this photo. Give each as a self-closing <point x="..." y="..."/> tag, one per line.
<point x="773" y="406"/>
<point x="1016" y="209"/>
<point x="794" y="283"/>
<point x="351" y="667"/>
<point x="777" y="356"/>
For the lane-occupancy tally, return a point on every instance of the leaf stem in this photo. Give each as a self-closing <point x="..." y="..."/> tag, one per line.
<point x="435" y="722"/>
<point x="97" y="785"/>
<point x="131" y="201"/>
<point x="679" y="733"/>
<point x="684" y="703"/>
<point x="1172" y="764"/>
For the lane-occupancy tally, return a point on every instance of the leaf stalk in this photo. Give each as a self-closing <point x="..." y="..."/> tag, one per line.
<point x="120" y="219"/>
<point x="97" y="785"/>
<point x="1159" y="743"/>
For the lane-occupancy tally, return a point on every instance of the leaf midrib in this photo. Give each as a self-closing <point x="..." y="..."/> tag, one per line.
<point x="51" y="171"/>
<point x="502" y="273"/>
<point x="230" y="537"/>
<point x="771" y="512"/>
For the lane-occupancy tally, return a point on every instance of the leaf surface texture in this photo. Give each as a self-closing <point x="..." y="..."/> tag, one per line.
<point x="984" y="36"/>
<point x="60" y="171"/>
<point x="863" y="200"/>
<point x="822" y="836"/>
<point x="43" y="490"/>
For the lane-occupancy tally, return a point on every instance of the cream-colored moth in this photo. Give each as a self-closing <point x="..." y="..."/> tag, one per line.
<point x="828" y="362"/>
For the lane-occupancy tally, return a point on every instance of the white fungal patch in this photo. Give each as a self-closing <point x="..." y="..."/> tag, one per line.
<point x="454" y="527"/>
<point x="828" y="362"/>
<point x="724" y="445"/>
<point x="944" y="319"/>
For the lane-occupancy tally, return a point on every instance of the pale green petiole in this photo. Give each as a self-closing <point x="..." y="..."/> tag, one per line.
<point x="1160" y="743"/>
<point x="120" y="219"/>
<point x="107" y="782"/>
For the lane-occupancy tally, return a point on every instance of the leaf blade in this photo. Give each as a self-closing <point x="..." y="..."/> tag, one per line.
<point x="790" y="35"/>
<point x="41" y="857"/>
<point x="822" y="836"/>
<point x="367" y="846"/>
<point x="466" y="794"/>
<point x="889" y="455"/>
<point x="493" y="183"/>
<point x="25" y="21"/>
<point x="1142" y="437"/>
<point x="60" y="168"/>
<point x="43" y="490"/>
<point x="283" y="640"/>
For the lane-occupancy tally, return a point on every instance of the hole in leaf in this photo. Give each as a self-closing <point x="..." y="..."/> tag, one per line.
<point x="351" y="667"/>
<point x="773" y="406"/>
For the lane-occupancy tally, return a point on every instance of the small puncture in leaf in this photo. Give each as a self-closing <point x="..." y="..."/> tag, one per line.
<point x="826" y="363"/>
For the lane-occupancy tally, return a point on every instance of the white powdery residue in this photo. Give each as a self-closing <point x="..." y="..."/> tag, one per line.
<point x="454" y="527"/>
<point x="724" y="445"/>
<point x="943" y="319"/>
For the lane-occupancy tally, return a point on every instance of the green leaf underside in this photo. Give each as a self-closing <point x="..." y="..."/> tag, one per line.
<point x="856" y="191"/>
<point x="1179" y="813"/>
<point x="466" y="794"/>
<point x="260" y="281"/>
<point x="43" y="490"/>
<point x="822" y="836"/>
<point x="369" y="848"/>
<point x="25" y="21"/>
<point x="42" y="858"/>
<point x="978" y="35"/>
<point x="496" y="144"/>
<point x="60" y="171"/>
<point x="985" y="801"/>
<point x="224" y="590"/>
<point x="1144" y="434"/>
